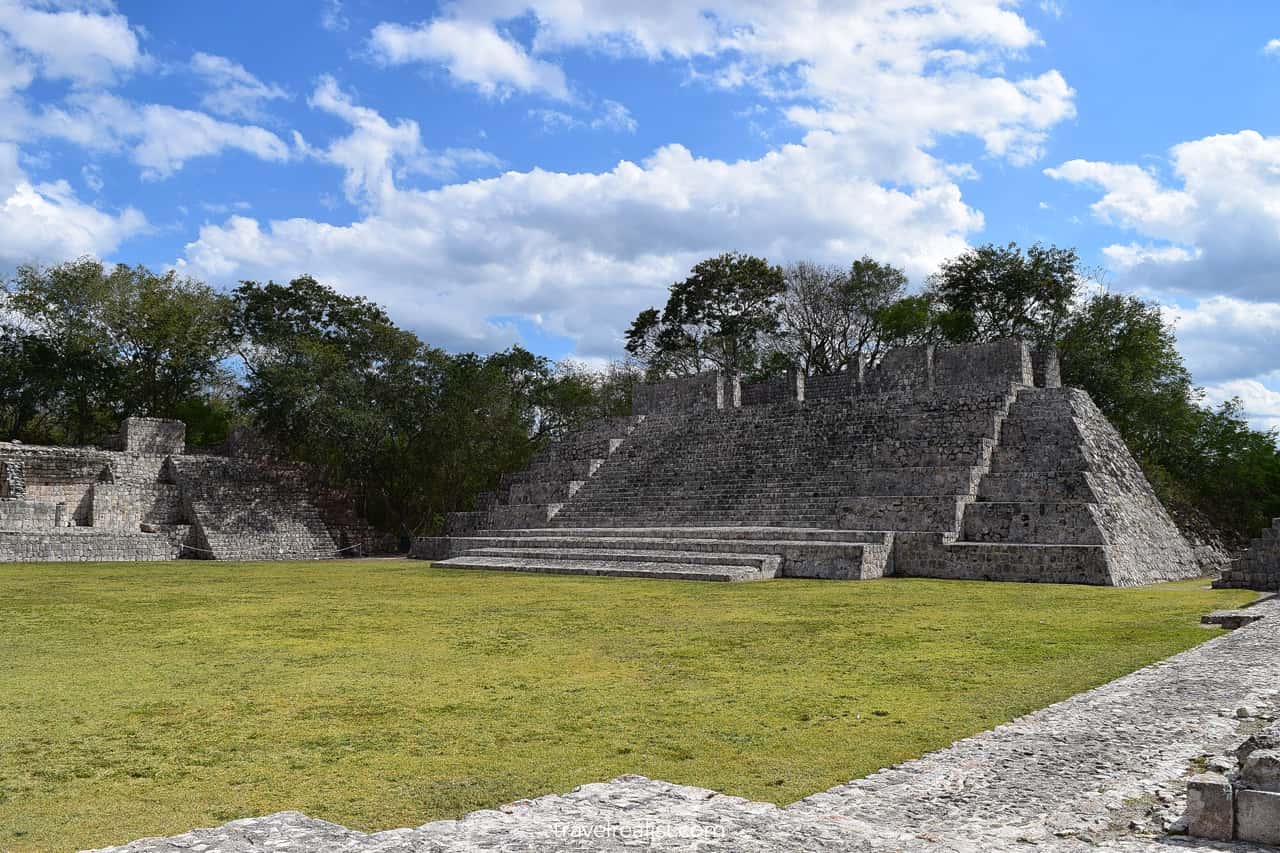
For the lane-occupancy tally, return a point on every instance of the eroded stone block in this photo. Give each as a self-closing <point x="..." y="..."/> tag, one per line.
<point x="1258" y="816"/>
<point x="1210" y="809"/>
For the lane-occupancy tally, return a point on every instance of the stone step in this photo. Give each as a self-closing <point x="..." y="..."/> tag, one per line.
<point x="1045" y="523"/>
<point x="593" y="567"/>
<point x="856" y="555"/>
<point x="1034" y="485"/>
<point x="902" y="512"/>
<point x="621" y="553"/>
<point x="778" y="534"/>
<point x="1017" y="562"/>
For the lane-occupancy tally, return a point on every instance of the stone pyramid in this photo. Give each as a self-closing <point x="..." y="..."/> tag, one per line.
<point x="959" y="462"/>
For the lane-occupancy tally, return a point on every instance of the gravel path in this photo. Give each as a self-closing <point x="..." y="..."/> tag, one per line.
<point x="1105" y="769"/>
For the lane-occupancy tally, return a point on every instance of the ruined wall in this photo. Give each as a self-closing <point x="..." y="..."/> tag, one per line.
<point x="784" y="389"/>
<point x="1258" y="567"/>
<point x="151" y="501"/>
<point x="703" y="392"/>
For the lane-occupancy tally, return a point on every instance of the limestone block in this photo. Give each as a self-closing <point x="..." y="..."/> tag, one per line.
<point x="1258" y="816"/>
<point x="1210" y="807"/>
<point x="1261" y="770"/>
<point x="1268" y="738"/>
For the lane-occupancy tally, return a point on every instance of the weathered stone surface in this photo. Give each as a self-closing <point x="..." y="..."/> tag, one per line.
<point x="1102" y="770"/>
<point x="985" y="475"/>
<point x="1211" y="809"/>
<point x="1258" y="816"/>
<point x="1259" y="566"/>
<point x="153" y="501"/>
<point x="1266" y="738"/>
<point x="1261" y="770"/>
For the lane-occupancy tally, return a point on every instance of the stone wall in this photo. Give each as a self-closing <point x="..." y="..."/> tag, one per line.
<point x="784" y="389"/>
<point x="150" y="436"/>
<point x="154" y="502"/>
<point x="1259" y="566"/>
<point x="703" y="392"/>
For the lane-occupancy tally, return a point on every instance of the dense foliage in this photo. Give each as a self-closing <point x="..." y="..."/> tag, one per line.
<point x="416" y="432"/>
<point x="413" y="431"/>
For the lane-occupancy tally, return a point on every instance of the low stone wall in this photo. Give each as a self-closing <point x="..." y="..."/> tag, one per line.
<point x="784" y="389"/>
<point x="81" y="544"/>
<point x="1259" y="567"/>
<point x="703" y="392"/>
<point x="16" y="514"/>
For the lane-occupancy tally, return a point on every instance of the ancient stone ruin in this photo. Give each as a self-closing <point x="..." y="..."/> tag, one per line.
<point x="143" y="497"/>
<point x="1244" y="803"/>
<point x="960" y="462"/>
<point x="1259" y="566"/>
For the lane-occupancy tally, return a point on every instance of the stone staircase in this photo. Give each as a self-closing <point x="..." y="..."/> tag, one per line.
<point x="965" y="462"/>
<point x="1064" y="501"/>
<point x="689" y="553"/>
<point x="1259" y="567"/>
<point x="239" y="511"/>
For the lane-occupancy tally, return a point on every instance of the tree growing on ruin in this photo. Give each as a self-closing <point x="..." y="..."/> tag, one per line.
<point x="994" y="292"/>
<point x="829" y="316"/>
<point x="717" y="317"/>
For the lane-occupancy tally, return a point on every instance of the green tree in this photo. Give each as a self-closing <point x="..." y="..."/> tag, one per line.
<point x="716" y="317"/>
<point x="994" y="292"/>
<point x="829" y="316"/>
<point x="1121" y="350"/>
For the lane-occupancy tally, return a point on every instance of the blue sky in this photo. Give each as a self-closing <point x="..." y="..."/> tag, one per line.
<point x="536" y="171"/>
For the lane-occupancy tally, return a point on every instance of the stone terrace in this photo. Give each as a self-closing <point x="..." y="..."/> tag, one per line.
<point x="1105" y="769"/>
<point x="143" y="497"/>
<point x="965" y="462"/>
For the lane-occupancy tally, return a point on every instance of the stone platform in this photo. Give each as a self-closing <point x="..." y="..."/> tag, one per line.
<point x="965" y="462"/>
<point x="1106" y="769"/>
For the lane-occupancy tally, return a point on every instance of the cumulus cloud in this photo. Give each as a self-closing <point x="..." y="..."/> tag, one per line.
<point x="871" y="86"/>
<point x="1222" y="337"/>
<point x="1214" y="224"/>
<point x="40" y="221"/>
<point x="233" y="91"/>
<point x="1272" y="48"/>
<point x="892" y="69"/>
<point x="579" y="252"/>
<point x="377" y="151"/>
<point x="160" y="139"/>
<point x="83" y="46"/>
<point x="474" y="53"/>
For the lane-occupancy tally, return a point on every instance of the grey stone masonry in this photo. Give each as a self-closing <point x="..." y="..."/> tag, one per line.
<point x="153" y="501"/>
<point x="975" y="471"/>
<point x="1259" y="567"/>
<point x="1243" y="803"/>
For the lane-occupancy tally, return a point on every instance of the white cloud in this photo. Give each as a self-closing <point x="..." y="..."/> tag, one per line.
<point x="1261" y="404"/>
<point x="616" y="117"/>
<point x="160" y="139"/>
<point x="233" y="91"/>
<point x="1223" y="338"/>
<point x="898" y="72"/>
<point x="612" y="116"/>
<point x="83" y="46"/>
<point x="1214" y="226"/>
<point x="332" y="17"/>
<point x="1272" y="48"/>
<point x="585" y="251"/>
<point x="474" y="53"/>
<point x="46" y="221"/>
<point x="377" y="151"/>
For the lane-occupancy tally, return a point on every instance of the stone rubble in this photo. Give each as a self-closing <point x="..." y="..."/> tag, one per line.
<point x="1106" y="769"/>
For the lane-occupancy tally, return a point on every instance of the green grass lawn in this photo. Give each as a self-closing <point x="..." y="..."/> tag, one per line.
<point x="145" y="699"/>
